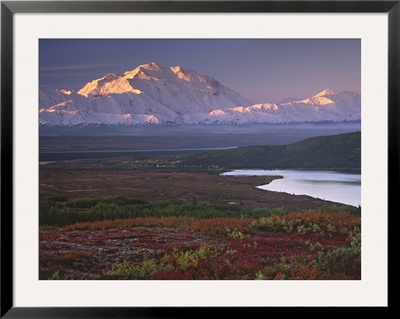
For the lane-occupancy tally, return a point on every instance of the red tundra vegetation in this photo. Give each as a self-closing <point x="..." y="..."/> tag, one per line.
<point x="295" y="246"/>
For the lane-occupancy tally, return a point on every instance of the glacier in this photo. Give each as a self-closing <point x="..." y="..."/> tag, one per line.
<point x="152" y="94"/>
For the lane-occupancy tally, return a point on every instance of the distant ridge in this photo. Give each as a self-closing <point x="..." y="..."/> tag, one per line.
<point x="342" y="151"/>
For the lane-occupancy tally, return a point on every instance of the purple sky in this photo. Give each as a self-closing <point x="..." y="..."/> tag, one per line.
<point x="261" y="70"/>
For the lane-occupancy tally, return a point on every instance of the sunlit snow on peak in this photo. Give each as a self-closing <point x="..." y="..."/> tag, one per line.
<point x="325" y="92"/>
<point x="155" y="94"/>
<point x="66" y="92"/>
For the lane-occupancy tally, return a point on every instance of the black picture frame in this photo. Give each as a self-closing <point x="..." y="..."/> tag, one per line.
<point x="9" y="8"/>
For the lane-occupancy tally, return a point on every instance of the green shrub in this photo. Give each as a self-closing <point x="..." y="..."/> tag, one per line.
<point x="342" y="259"/>
<point x="87" y="202"/>
<point x="122" y="200"/>
<point x="106" y="211"/>
<point x="51" y="214"/>
<point x="352" y="210"/>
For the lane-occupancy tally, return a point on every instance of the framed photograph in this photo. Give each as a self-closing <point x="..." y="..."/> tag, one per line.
<point x="161" y="158"/>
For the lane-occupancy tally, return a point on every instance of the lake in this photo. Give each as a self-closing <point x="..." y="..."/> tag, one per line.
<point x="336" y="186"/>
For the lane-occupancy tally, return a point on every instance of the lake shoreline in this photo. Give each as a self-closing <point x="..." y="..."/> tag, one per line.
<point x="337" y="186"/>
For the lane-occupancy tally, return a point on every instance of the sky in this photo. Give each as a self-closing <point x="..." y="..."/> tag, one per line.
<point x="262" y="70"/>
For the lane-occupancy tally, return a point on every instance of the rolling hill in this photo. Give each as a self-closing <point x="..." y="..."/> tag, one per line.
<point x="342" y="151"/>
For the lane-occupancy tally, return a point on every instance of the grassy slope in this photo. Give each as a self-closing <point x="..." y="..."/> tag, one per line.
<point x="323" y="152"/>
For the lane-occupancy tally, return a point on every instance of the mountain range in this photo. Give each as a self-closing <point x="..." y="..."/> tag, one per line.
<point x="155" y="94"/>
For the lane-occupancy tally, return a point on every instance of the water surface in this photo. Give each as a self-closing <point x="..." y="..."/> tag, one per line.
<point x="336" y="186"/>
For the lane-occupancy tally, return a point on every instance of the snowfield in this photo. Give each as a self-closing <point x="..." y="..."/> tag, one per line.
<point x="155" y="94"/>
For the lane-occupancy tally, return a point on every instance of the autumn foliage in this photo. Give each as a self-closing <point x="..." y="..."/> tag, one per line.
<point x="296" y="246"/>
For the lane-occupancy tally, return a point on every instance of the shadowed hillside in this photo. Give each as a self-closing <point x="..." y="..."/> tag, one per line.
<point x="342" y="151"/>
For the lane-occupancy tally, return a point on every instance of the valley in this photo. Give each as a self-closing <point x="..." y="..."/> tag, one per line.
<point x="131" y="183"/>
<point x="62" y="142"/>
<point x="145" y="181"/>
<point x="163" y="215"/>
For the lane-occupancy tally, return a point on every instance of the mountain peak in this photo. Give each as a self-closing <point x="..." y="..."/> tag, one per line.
<point x="176" y="69"/>
<point x="153" y="66"/>
<point x="325" y="92"/>
<point x="109" y="77"/>
<point x="156" y="94"/>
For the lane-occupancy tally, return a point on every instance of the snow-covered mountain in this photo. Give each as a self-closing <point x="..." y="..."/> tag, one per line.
<point x="155" y="94"/>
